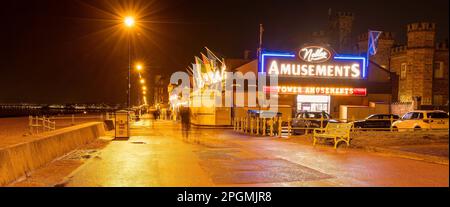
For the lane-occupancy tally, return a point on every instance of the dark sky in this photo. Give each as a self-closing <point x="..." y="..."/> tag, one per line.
<point x="74" y="51"/>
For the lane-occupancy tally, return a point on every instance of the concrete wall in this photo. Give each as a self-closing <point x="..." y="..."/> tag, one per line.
<point x="18" y="160"/>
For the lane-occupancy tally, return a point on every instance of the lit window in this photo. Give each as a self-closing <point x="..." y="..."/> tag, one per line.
<point x="439" y="70"/>
<point x="403" y="71"/>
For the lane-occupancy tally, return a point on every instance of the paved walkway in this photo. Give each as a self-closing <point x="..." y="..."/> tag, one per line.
<point x="158" y="156"/>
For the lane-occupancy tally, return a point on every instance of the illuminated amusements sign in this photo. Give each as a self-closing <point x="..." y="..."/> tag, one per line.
<point x="313" y="62"/>
<point x="305" y="90"/>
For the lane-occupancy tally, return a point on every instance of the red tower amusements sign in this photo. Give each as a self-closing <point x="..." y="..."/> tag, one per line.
<point x="332" y="91"/>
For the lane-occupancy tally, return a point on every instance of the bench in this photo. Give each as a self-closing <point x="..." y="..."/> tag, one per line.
<point x="338" y="132"/>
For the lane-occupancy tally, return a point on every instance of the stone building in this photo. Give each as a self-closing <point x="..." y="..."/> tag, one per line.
<point x="160" y="94"/>
<point x="422" y="67"/>
<point x="341" y="28"/>
<point x="339" y="33"/>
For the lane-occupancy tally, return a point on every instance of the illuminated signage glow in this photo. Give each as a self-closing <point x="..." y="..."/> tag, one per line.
<point x="315" y="54"/>
<point x="313" y="62"/>
<point x="312" y="70"/>
<point x="333" y="91"/>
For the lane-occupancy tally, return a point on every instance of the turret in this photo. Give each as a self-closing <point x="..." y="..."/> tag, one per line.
<point x="421" y="35"/>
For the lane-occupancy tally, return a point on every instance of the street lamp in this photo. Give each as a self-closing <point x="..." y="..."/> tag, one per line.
<point x="139" y="67"/>
<point x="129" y="22"/>
<point x="142" y="81"/>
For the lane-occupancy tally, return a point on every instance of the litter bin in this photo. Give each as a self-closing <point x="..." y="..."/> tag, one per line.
<point x="122" y="125"/>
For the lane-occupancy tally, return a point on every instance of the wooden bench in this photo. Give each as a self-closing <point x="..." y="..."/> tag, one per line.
<point x="338" y="132"/>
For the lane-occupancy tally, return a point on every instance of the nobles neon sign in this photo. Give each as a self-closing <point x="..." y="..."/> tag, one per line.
<point x="315" y="54"/>
<point x="313" y="62"/>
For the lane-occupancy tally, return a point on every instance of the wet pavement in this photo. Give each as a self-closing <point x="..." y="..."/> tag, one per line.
<point x="158" y="156"/>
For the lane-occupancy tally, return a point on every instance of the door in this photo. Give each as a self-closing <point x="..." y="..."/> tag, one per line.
<point x="438" y="120"/>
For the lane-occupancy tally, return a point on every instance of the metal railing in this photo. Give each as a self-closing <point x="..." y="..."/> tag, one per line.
<point x="73" y="118"/>
<point x="277" y="127"/>
<point x="40" y="125"/>
<point x="259" y="126"/>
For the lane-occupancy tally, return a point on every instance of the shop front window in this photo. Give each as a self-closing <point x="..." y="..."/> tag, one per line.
<point x="307" y="103"/>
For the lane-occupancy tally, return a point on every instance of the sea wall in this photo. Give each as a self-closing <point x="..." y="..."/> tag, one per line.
<point x="18" y="160"/>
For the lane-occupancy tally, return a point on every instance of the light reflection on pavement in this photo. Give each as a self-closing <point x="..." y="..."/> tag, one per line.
<point x="157" y="155"/>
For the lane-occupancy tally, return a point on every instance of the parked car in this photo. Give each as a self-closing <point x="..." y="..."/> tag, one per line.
<point x="310" y="121"/>
<point x="376" y="121"/>
<point x="418" y="120"/>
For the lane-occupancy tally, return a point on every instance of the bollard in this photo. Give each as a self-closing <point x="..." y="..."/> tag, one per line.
<point x="251" y="125"/>
<point x="246" y="124"/>
<point x="289" y="128"/>
<point x="257" y="126"/>
<point x="280" y="126"/>
<point x="238" y="124"/>
<point x="247" y="120"/>
<point x="264" y="127"/>
<point x="271" y="127"/>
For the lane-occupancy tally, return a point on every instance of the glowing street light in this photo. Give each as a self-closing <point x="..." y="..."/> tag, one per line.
<point x="139" y="67"/>
<point x="144" y="88"/>
<point x="142" y="81"/>
<point x="129" y="21"/>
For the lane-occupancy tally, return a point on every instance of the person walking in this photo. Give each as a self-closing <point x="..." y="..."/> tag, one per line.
<point x="185" y="122"/>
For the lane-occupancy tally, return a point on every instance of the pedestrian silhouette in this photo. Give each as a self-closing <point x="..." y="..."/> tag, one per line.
<point x="185" y="121"/>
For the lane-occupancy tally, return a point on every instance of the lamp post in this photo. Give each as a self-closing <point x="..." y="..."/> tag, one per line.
<point x="129" y="23"/>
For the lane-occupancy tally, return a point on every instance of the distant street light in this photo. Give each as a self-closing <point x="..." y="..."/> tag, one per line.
<point x="142" y="81"/>
<point x="139" y="67"/>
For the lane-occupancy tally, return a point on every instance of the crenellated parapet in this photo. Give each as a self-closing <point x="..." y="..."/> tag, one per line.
<point x="383" y="36"/>
<point x="421" y="26"/>
<point x="399" y="49"/>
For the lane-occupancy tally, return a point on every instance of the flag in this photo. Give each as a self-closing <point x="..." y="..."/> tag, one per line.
<point x="373" y="42"/>
<point x="190" y="71"/>
<point x="200" y="64"/>
<point x="207" y="63"/>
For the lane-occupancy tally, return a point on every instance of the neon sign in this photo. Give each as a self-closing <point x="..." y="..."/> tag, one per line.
<point x="313" y="62"/>
<point x="332" y="91"/>
<point x="315" y="54"/>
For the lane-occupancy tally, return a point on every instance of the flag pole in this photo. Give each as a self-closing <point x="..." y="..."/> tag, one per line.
<point x="261" y="34"/>
<point x="214" y="55"/>
<point x="368" y="47"/>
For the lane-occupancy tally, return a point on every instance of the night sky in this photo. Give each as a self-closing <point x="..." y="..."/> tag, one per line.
<point x="75" y="51"/>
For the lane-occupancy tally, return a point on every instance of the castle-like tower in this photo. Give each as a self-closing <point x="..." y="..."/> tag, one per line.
<point x="340" y="30"/>
<point x="416" y="80"/>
